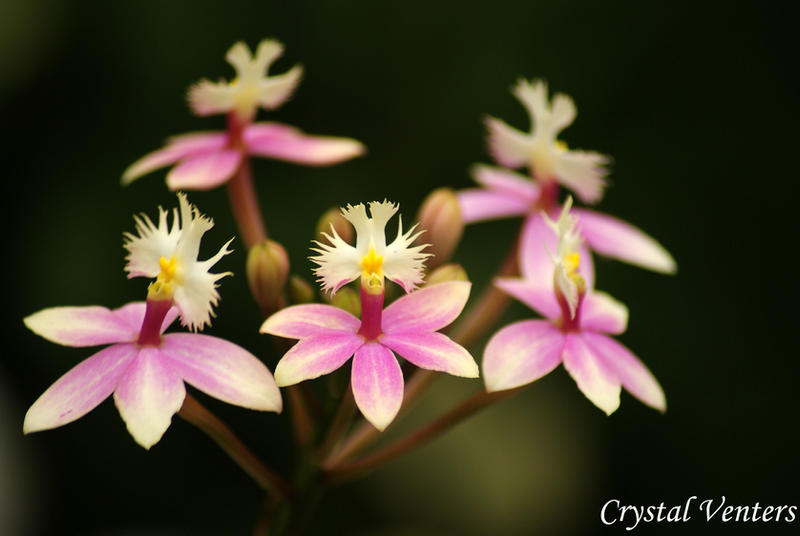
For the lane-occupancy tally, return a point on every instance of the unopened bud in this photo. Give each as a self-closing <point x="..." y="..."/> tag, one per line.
<point x="342" y="227"/>
<point x="300" y="290"/>
<point x="267" y="271"/>
<point x="446" y="272"/>
<point x="349" y="300"/>
<point x="440" y="217"/>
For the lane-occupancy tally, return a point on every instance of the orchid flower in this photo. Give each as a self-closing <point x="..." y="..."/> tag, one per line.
<point x="143" y="368"/>
<point x="329" y="336"/>
<point x="209" y="159"/>
<point x="506" y="193"/>
<point x="575" y="331"/>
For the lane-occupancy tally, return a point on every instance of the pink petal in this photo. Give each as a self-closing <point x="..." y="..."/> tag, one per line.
<point x="285" y="143"/>
<point x="204" y="171"/>
<point x="80" y="390"/>
<point x="377" y="383"/>
<point x="222" y="369"/>
<point x="535" y="263"/>
<point x="601" y="312"/>
<point x="132" y="314"/>
<point x="595" y="378"/>
<point x="427" y="309"/>
<point x="507" y="181"/>
<point x="82" y="326"/>
<point x="520" y="353"/>
<point x="301" y="321"/>
<point x="316" y="355"/>
<point x="478" y="205"/>
<point x="541" y="299"/>
<point x="615" y="238"/>
<point x="177" y="148"/>
<point x="432" y="351"/>
<point x="148" y="395"/>
<point x="635" y="376"/>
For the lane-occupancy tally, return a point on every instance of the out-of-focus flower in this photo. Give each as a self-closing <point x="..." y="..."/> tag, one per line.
<point x="209" y="159"/>
<point x="548" y="159"/>
<point x="578" y="320"/>
<point x="144" y="369"/>
<point x="329" y="336"/>
<point x="169" y="254"/>
<point x="446" y="272"/>
<point x="506" y="194"/>
<point x="267" y="270"/>
<point x="440" y="218"/>
<point x="333" y="218"/>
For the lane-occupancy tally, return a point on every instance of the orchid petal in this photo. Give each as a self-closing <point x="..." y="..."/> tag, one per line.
<point x="635" y="376"/>
<point x="204" y="171"/>
<point x="432" y="351"/>
<point x="507" y="145"/>
<point x="377" y="383"/>
<point x="427" y="309"/>
<point x="223" y="370"/>
<point x="177" y="148"/>
<point x="601" y="312"/>
<point x="314" y="356"/>
<point x="133" y="315"/>
<point x="291" y="145"/>
<point x="520" y="353"/>
<point x="148" y="395"/>
<point x="583" y="172"/>
<point x="595" y="378"/>
<point x="81" y="326"/>
<point x="537" y="244"/>
<point x="504" y="180"/>
<point x="301" y="321"/>
<point x="80" y="390"/>
<point x="618" y="239"/>
<point x="478" y="204"/>
<point x="540" y="298"/>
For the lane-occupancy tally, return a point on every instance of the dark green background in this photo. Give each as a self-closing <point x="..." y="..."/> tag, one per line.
<point x="697" y="104"/>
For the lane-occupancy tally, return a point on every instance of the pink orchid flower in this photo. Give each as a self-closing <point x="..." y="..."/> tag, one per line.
<point x="209" y="159"/>
<point x="144" y="369"/>
<point x="575" y="331"/>
<point x="329" y="336"/>
<point x="507" y="194"/>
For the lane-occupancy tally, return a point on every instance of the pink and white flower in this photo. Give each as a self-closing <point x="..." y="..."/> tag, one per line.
<point x="144" y="369"/>
<point x="206" y="160"/>
<point x="575" y="331"/>
<point x="329" y="336"/>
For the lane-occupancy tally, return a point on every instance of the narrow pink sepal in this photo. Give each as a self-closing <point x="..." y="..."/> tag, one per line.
<point x="432" y="351"/>
<point x="595" y="378"/>
<point x="377" y="383"/>
<point x="82" y="326"/>
<point x="148" y="395"/>
<point x="601" y="312"/>
<point x="635" y="376"/>
<point x="520" y="353"/>
<point x="504" y="180"/>
<point x="540" y="298"/>
<point x="535" y="262"/>
<point x="427" y="309"/>
<point x="478" y="204"/>
<point x="177" y="148"/>
<point x="80" y="390"/>
<point x="284" y="143"/>
<point x="618" y="239"/>
<point x="204" y="171"/>
<point x="301" y="321"/>
<point x="314" y="356"/>
<point x="223" y="370"/>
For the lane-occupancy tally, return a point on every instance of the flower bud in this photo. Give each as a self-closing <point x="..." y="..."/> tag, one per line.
<point x="267" y="270"/>
<point x="440" y="216"/>
<point x="334" y="217"/>
<point x="349" y="300"/>
<point x="300" y="291"/>
<point x="446" y="272"/>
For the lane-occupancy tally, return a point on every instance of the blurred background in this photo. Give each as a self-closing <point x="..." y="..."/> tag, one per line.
<point x="695" y="101"/>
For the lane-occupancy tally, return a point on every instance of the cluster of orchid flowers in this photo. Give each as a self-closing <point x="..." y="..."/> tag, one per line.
<point x="551" y="271"/>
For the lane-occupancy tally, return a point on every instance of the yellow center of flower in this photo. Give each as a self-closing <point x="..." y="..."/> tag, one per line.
<point x="161" y="288"/>
<point x="372" y="271"/>
<point x="571" y="263"/>
<point x="561" y="145"/>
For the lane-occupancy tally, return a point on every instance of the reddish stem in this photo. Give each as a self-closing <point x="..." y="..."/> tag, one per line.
<point x="150" y="333"/>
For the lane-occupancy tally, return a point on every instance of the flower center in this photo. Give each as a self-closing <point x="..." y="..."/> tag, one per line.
<point x="571" y="262"/>
<point x="162" y="287"/>
<point x="372" y="271"/>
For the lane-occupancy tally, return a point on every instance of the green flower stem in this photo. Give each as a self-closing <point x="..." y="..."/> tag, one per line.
<point x="339" y="425"/>
<point x="194" y="413"/>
